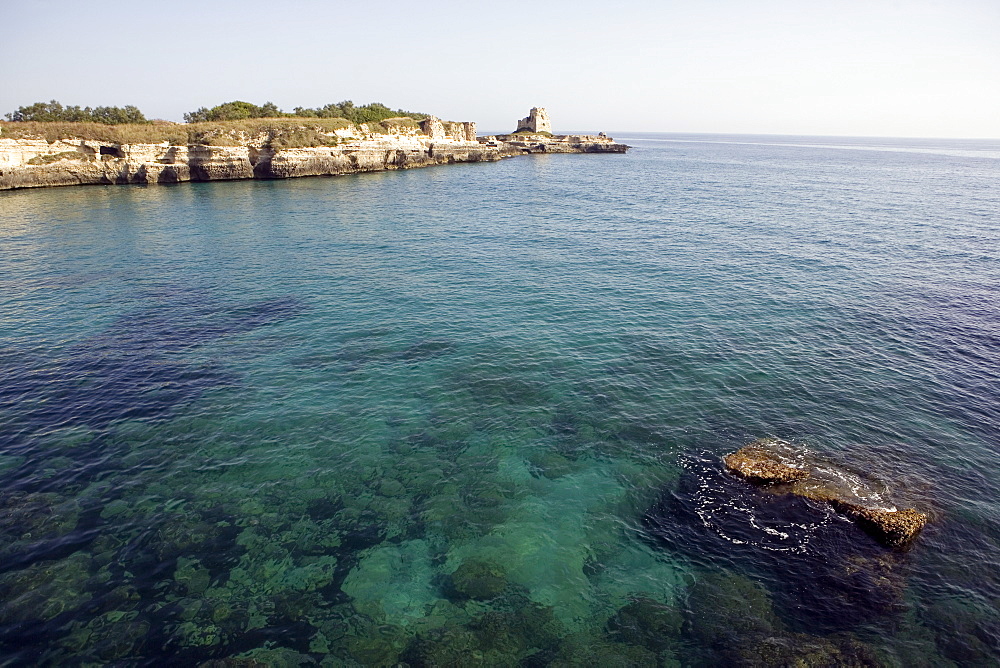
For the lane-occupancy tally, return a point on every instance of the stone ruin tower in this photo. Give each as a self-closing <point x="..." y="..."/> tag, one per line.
<point x="537" y="121"/>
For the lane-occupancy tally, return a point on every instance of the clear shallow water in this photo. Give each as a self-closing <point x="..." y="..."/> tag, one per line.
<point x="475" y="413"/>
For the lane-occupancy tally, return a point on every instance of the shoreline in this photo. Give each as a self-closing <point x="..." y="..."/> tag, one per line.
<point x="38" y="162"/>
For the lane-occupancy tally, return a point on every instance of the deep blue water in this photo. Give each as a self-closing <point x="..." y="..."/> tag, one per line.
<point x="474" y="414"/>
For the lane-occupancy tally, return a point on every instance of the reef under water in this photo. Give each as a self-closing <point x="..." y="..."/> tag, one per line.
<point x="478" y="416"/>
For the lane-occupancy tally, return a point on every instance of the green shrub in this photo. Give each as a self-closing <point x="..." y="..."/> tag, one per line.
<point x="368" y="113"/>
<point x="239" y="110"/>
<point x="53" y="111"/>
<point x="234" y="111"/>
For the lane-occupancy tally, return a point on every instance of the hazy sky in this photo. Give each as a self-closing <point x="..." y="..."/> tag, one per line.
<point x="847" y="67"/>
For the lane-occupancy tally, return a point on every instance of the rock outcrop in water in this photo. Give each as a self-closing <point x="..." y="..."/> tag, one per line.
<point x="820" y="577"/>
<point x="892" y="528"/>
<point x="769" y="462"/>
<point x="761" y="465"/>
<point x="34" y="161"/>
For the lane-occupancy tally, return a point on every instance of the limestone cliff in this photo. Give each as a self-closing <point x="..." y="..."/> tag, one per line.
<point x="33" y="161"/>
<point x="28" y="163"/>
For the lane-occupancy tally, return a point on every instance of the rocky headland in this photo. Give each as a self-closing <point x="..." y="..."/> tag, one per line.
<point x="36" y="155"/>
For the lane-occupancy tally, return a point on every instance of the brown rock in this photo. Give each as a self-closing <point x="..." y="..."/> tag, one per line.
<point x="801" y="649"/>
<point x="893" y="528"/>
<point x="769" y="461"/>
<point x="759" y="464"/>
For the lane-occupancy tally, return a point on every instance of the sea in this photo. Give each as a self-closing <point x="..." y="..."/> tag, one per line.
<point x="476" y="414"/>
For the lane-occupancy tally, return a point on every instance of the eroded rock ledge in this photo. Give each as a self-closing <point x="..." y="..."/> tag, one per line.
<point x="35" y="162"/>
<point x="775" y="464"/>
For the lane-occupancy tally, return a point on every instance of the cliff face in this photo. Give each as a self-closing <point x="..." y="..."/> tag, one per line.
<point x="31" y="163"/>
<point x="369" y="156"/>
<point x="26" y="163"/>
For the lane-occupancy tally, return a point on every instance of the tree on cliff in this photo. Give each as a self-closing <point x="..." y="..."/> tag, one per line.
<point x="234" y="111"/>
<point x="239" y="110"/>
<point x="53" y="111"/>
<point x="117" y="116"/>
<point x="368" y="113"/>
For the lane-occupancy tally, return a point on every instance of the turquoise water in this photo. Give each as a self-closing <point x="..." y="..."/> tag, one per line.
<point x="474" y="414"/>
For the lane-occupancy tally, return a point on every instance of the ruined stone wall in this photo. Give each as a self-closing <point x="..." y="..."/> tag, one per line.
<point x="438" y="130"/>
<point x="433" y="127"/>
<point x="536" y="121"/>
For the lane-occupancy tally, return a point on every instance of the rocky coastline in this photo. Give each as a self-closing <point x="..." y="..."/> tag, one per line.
<point x="35" y="161"/>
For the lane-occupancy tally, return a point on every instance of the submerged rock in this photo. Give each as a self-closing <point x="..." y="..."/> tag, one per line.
<point x="478" y="580"/>
<point x="393" y="581"/>
<point x="277" y="657"/>
<point x="723" y="607"/>
<point x="377" y="648"/>
<point x="552" y="465"/>
<point x="761" y="464"/>
<point x="733" y="619"/>
<point x="192" y="576"/>
<point x="445" y="646"/>
<point x="820" y="577"/>
<point x="648" y="623"/>
<point x="116" y="634"/>
<point x="967" y="628"/>
<point x="800" y="649"/>
<point x="583" y="649"/>
<point x="45" y="590"/>
<point x="526" y="629"/>
<point x="769" y="462"/>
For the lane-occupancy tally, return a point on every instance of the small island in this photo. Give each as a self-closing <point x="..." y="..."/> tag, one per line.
<point x="534" y="135"/>
<point x="47" y="153"/>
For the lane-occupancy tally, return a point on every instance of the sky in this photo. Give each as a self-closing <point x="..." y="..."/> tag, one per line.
<point x="915" y="68"/>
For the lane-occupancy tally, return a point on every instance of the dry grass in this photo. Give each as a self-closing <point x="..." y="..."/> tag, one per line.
<point x="145" y="133"/>
<point x="543" y="133"/>
<point x="401" y="122"/>
<point x="56" y="157"/>
<point x="275" y="132"/>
